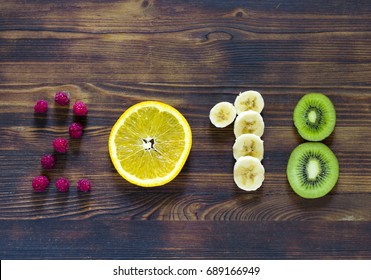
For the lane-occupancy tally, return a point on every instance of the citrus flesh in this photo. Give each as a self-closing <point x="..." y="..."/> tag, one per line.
<point x="150" y="143"/>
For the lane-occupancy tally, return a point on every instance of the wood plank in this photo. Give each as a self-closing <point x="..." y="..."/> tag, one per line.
<point x="205" y="189"/>
<point x="116" y="239"/>
<point x="148" y="41"/>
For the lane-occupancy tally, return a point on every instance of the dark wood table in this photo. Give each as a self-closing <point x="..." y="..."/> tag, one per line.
<point x="191" y="55"/>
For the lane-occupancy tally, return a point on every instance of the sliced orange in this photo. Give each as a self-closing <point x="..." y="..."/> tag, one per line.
<point x="150" y="143"/>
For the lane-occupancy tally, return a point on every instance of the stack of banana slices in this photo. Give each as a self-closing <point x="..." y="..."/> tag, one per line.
<point x="248" y="149"/>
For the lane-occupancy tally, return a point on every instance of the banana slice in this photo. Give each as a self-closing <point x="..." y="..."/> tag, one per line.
<point x="248" y="173"/>
<point x="222" y="114"/>
<point x="248" y="145"/>
<point x="249" y="122"/>
<point x="249" y="100"/>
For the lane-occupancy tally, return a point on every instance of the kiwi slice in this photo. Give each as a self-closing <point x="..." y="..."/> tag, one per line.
<point x="312" y="170"/>
<point x="314" y="117"/>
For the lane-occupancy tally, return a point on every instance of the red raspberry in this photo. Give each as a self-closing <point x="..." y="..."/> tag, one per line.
<point x="41" y="106"/>
<point x="62" y="98"/>
<point x="60" y="145"/>
<point x="47" y="161"/>
<point x="62" y="184"/>
<point x="75" y="130"/>
<point x="40" y="183"/>
<point x="83" y="185"/>
<point x="80" y="109"/>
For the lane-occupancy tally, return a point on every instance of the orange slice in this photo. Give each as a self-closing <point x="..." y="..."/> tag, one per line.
<point x="150" y="143"/>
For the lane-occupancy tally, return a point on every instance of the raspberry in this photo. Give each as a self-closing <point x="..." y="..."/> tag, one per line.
<point x="60" y="145"/>
<point x="62" y="98"/>
<point x="47" y="161"/>
<point x="80" y="109"/>
<point x="62" y="184"/>
<point x="41" y="106"/>
<point x="75" y="130"/>
<point x="40" y="183"/>
<point x="83" y="185"/>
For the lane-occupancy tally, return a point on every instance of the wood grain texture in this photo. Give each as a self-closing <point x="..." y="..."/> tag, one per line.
<point x="191" y="55"/>
<point x="176" y="240"/>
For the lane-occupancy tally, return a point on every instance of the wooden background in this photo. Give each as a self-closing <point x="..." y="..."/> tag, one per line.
<point x="191" y="55"/>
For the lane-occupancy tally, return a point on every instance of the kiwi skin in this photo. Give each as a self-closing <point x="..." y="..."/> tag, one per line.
<point x="324" y="114"/>
<point x="323" y="163"/>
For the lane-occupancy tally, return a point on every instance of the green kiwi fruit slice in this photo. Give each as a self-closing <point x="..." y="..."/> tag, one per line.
<point x="314" y="117"/>
<point x="312" y="170"/>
